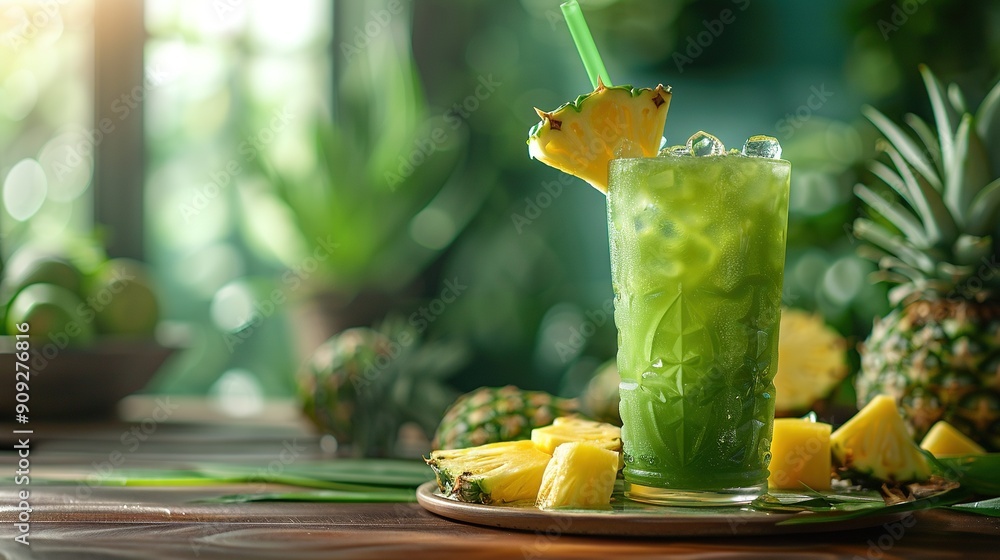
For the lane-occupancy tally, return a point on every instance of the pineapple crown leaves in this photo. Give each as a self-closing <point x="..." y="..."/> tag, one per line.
<point x="943" y="219"/>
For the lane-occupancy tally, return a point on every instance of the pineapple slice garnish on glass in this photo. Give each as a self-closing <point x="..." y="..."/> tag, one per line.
<point x="581" y="137"/>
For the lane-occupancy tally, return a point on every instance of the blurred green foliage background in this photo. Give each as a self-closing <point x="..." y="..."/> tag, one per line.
<point x="315" y="165"/>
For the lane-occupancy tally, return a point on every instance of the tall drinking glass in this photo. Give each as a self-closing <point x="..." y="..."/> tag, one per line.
<point x="697" y="258"/>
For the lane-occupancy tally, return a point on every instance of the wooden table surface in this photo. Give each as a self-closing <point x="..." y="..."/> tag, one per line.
<point x="77" y="521"/>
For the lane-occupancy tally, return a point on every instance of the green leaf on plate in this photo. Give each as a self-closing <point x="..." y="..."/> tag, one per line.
<point x="333" y="496"/>
<point x="978" y="473"/>
<point x="990" y="507"/>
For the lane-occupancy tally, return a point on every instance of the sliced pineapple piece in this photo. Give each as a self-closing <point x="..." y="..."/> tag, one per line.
<point x="800" y="455"/>
<point x="495" y="473"/>
<point x="875" y="443"/>
<point x="580" y="475"/>
<point x="944" y="440"/>
<point x="570" y="429"/>
<point x="582" y="136"/>
<point x="812" y="360"/>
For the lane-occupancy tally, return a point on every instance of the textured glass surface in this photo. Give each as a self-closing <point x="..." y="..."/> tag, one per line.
<point x="697" y="252"/>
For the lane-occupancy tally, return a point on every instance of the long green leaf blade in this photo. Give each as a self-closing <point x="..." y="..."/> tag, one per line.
<point x="928" y="138"/>
<point x="878" y="235"/>
<point x="891" y="178"/>
<point x="988" y="114"/>
<point x="985" y="208"/>
<point x="944" y="118"/>
<point x="895" y="213"/>
<point x="990" y="508"/>
<point x="970" y="174"/>
<point x="331" y="496"/>
<point x="906" y="146"/>
<point x="938" y="222"/>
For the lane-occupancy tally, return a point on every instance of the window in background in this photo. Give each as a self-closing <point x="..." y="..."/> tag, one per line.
<point x="47" y="137"/>
<point x="241" y="84"/>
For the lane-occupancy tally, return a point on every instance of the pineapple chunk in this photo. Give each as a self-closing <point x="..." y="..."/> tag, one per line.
<point x="495" y="473"/>
<point x="875" y="443"/>
<point x="800" y="455"/>
<point x="570" y="429"/>
<point x="580" y="475"/>
<point x="944" y="440"/>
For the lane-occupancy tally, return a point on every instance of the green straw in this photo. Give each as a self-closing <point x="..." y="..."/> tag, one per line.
<point x="585" y="43"/>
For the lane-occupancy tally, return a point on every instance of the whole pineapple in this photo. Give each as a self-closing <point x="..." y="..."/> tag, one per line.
<point x="937" y="353"/>
<point x="363" y="385"/>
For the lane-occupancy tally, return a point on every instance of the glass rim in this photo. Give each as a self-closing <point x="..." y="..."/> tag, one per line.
<point x="740" y="157"/>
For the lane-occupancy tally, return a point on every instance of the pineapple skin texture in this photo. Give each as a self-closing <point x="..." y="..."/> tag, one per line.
<point x="943" y="440"/>
<point x="800" y="455"/>
<point x="875" y="443"/>
<point x="580" y="475"/>
<point x="495" y="414"/>
<point x="937" y="365"/>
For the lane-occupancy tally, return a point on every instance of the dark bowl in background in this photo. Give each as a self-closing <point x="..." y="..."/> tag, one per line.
<point x="80" y="383"/>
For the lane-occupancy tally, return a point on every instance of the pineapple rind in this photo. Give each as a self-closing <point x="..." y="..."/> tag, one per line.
<point x="490" y="415"/>
<point x="495" y="473"/>
<point x="581" y="137"/>
<point x="580" y="475"/>
<point x="875" y="443"/>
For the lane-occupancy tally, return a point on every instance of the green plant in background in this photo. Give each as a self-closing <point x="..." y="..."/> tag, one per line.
<point x="388" y="192"/>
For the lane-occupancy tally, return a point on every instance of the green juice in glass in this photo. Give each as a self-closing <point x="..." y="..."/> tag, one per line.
<point x="697" y="257"/>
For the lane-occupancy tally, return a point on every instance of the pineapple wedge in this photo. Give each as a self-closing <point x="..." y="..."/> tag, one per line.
<point x="580" y="475"/>
<point x="495" y="473"/>
<point x="570" y="429"/>
<point x="800" y="455"/>
<point x="944" y="440"/>
<point x="581" y="137"/>
<point x="875" y="443"/>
